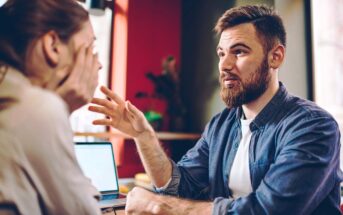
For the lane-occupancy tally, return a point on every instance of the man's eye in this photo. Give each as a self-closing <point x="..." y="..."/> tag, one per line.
<point x="239" y="52"/>
<point x="221" y="54"/>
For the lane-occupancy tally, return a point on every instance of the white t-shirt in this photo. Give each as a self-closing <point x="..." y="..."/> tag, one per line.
<point x="239" y="179"/>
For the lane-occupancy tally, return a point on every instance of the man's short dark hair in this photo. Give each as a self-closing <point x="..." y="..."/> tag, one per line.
<point x="268" y="24"/>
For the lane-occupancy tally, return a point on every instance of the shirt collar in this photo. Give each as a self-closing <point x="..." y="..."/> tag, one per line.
<point x="268" y="112"/>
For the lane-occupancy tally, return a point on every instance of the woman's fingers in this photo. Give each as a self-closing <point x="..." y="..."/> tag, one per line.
<point x="79" y="63"/>
<point x="112" y="96"/>
<point x="93" y="79"/>
<point x="57" y="78"/>
<point x="88" y="65"/>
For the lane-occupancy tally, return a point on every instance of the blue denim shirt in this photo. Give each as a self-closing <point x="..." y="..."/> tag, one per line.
<point x="293" y="161"/>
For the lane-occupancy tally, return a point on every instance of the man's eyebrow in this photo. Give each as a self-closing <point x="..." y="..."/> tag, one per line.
<point x="240" y="44"/>
<point x="234" y="46"/>
<point x="219" y="48"/>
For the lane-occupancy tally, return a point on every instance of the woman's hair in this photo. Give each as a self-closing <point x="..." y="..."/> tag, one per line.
<point x="24" y="21"/>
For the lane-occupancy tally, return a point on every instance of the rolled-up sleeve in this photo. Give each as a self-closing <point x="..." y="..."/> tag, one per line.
<point x="221" y="205"/>
<point x="190" y="174"/>
<point x="172" y="186"/>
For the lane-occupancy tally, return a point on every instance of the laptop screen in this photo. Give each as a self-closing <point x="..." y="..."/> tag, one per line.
<point x="97" y="162"/>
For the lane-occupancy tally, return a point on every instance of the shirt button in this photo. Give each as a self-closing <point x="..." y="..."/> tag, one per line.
<point x="236" y="145"/>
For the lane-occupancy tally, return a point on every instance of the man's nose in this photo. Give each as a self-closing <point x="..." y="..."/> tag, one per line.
<point x="227" y="63"/>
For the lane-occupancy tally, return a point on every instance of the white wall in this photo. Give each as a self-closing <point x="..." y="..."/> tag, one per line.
<point x="293" y="72"/>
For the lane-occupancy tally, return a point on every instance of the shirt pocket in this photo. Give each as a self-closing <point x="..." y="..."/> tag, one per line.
<point x="258" y="170"/>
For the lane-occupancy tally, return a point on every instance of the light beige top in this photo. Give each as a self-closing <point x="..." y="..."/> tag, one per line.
<point x="39" y="173"/>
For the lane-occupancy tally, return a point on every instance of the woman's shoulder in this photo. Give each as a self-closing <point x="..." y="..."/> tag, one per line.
<point x="37" y="111"/>
<point x="43" y="102"/>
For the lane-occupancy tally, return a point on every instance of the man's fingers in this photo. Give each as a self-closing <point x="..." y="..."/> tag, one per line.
<point x="130" y="116"/>
<point x="106" y="122"/>
<point x="132" y="109"/>
<point x="102" y="110"/>
<point x="112" y="96"/>
<point x="156" y="209"/>
<point x="104" y="102"/>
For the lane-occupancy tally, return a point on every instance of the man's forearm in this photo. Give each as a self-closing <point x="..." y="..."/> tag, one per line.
<point x="155" y="161"/>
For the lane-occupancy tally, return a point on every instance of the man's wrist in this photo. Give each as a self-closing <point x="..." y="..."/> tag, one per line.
<point x="146" y="136"/>
<point x="184" y="206"/>
<point x="199" y="208"/>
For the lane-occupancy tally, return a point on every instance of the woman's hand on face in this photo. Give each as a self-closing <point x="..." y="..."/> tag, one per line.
<point x="121" y="115"/>
<point x="76" y="83"/>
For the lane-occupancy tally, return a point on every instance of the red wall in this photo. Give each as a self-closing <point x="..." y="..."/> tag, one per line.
<point x="154" y="32"/>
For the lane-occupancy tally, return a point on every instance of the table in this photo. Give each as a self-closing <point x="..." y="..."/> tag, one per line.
<point x="111" y="211"/>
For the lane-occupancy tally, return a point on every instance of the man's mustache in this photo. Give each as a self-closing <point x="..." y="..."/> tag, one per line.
<point x="228" y="76"/>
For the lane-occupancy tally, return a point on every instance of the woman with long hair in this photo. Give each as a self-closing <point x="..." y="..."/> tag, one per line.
<point x="47" y="70"/>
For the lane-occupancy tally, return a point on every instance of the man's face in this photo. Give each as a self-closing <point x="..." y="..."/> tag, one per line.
<point x="243" y="65"/>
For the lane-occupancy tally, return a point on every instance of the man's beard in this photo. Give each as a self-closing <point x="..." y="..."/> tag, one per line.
<point x="244" y="92"/>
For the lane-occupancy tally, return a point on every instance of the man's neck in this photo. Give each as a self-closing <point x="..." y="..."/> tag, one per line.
<point x="252" y="109"/>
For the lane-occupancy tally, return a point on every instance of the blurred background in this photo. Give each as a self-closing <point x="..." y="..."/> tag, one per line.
<point x="161" y="55"/>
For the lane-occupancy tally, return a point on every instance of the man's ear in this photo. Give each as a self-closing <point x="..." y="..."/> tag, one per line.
<point x="276" y="56"/>
<point x="51" y="48"/>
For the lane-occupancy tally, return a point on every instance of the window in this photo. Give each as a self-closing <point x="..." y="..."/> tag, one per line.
<point x="327" y="29"/>
<point x="81" y="120"/>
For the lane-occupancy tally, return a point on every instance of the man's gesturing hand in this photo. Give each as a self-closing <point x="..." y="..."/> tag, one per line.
<point x="120" y="114"/>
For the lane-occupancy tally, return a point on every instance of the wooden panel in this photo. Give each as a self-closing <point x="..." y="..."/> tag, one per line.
<point x="160" y="135"/>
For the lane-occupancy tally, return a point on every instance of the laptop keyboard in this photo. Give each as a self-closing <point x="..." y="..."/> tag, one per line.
<point x="108" y="197"/>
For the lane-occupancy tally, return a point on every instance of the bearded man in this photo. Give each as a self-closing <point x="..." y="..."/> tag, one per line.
<point x="268" y="152"/>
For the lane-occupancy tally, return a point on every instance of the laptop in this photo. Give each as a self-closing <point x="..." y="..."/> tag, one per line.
<point x="97" y="162"/>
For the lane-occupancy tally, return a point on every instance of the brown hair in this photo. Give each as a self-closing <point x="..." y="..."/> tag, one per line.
<point x="267" y="22"/>
<point x="24" y="21"/>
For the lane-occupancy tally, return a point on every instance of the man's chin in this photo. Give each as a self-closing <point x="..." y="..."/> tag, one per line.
<point x="232" y="101"/>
